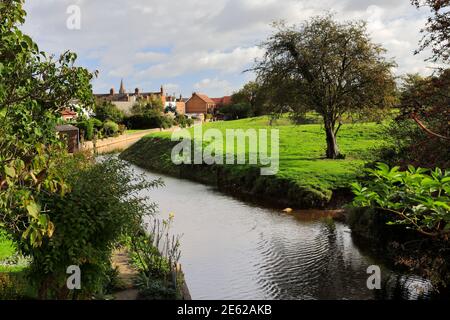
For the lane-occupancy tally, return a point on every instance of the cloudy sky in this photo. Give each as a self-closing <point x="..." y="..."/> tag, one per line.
<point x="202" y="45"/>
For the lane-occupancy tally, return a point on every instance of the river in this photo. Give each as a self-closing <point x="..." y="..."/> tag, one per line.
<point x="235" y="250"/>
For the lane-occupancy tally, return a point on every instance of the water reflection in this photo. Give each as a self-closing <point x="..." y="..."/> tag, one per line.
<point x="233" y="250"/>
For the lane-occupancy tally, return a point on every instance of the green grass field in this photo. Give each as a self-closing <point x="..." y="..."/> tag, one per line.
<point x="302" y="150"/>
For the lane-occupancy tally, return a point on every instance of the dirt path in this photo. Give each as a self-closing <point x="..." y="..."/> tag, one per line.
<point x="126" y="276"/>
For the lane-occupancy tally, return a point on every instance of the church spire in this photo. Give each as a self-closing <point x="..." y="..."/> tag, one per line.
<point x="122" y="88"/>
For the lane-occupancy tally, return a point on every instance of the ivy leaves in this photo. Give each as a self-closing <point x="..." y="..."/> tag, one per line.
<point x="419" y="198"/>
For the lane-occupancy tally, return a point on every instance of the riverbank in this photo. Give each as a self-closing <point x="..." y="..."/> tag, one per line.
<point x="305" y="178"/>
<point x="121" y="142"/>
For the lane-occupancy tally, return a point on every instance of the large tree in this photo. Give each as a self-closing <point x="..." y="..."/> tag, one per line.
<point x="330" y="67"/>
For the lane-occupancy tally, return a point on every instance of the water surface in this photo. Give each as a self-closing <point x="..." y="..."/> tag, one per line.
<point x="234" y="250"/>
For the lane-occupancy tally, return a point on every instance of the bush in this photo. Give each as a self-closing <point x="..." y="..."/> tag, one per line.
<point x="110" y="129"/>
<point x="183" y="121"/>
<point x="417" y="198"/>
<point x="103" y="204"/>
<point x="236" y="111"/>
<point x="106" y="110"/>
<point x="88" y="126"/>
<point x="149" y="120"/>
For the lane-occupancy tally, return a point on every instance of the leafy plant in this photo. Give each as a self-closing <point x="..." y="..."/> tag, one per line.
<point x="34" y="87"/>
<point x="156" y="255"/>
<point x="416" y="198"/>
<point x="110" y="128"/>
<point x="104" y="203"/>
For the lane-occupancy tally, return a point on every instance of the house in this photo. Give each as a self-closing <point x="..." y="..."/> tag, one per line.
<point x="224" y="101"/>
<point x="176" y="104"/>
<point x="68" y="114"/>
<point x="125" y="101"/>
<point x="200" y="104"/>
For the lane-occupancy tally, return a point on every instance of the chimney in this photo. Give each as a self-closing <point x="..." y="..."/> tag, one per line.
<point x="112" y="91"/>
<point x="162" y="90"/>
<point x="136" y="91"/>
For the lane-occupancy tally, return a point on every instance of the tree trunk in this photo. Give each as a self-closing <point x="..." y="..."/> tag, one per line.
<point x="332" y="147"/>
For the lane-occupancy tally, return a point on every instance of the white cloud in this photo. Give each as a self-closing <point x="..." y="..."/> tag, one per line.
<point x="149" y="42"/>
<point x="214" y="87"/>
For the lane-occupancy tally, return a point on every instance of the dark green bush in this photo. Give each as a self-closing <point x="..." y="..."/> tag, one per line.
<point x="236" y="111"/>
<point x="148" y="121"/>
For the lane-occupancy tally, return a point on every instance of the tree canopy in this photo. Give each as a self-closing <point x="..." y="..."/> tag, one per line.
<point x="330" y="67"/>
<point x="437" y="30"/>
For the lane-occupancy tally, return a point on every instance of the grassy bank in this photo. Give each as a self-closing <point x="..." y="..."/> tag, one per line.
<point x="305" y="177"/>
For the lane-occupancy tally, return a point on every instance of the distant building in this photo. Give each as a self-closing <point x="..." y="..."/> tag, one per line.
<point x="224" y="101"/>
<point x="200" y="104"/>
<point x="176" y="104"/>
<point x="68" y="114"/>
<point x="125" y="101"/>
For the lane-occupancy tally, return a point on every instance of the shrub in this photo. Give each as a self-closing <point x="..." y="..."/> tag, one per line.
<point x="88" y="127"/>
<point x="148" y="121"/>
<point x="110" y="128"/>
<point x="103" y="204"/>
<point x="183" y="121"/>
<point x="236" y="111"/>
<point x="106" y="110"/>
<point x="417" y="198"/>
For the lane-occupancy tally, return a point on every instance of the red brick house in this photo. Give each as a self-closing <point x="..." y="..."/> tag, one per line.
<point x="200" y="103"/>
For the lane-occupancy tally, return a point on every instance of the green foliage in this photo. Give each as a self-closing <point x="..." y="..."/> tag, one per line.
<point x="417" y="198"/>
<point x="236" y="111"/>
<point x="156" y="254"/>
<point x="110" y="128"/>
<point x="7" y="245"/>
<point x="106" y="110"/>
<point x="183" y="121"/>
<point x="149" y="120"/>
<point x="155" y="289"/>
<point x="103" y="204"/>
<point x="153" y="105"/>
<point x="33" y="89"/>
<point x="88" y="128"/>
<point x="251" y="94"/>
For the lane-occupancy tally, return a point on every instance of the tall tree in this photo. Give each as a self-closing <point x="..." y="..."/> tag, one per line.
<point x="437" y="30"/>
<point x="330" y="67"/>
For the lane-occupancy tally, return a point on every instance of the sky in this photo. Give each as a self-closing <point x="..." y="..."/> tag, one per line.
<point x="202" y="45"/>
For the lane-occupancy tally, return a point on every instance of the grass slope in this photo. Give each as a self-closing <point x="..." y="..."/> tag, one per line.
<point x="303" y="169"/>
